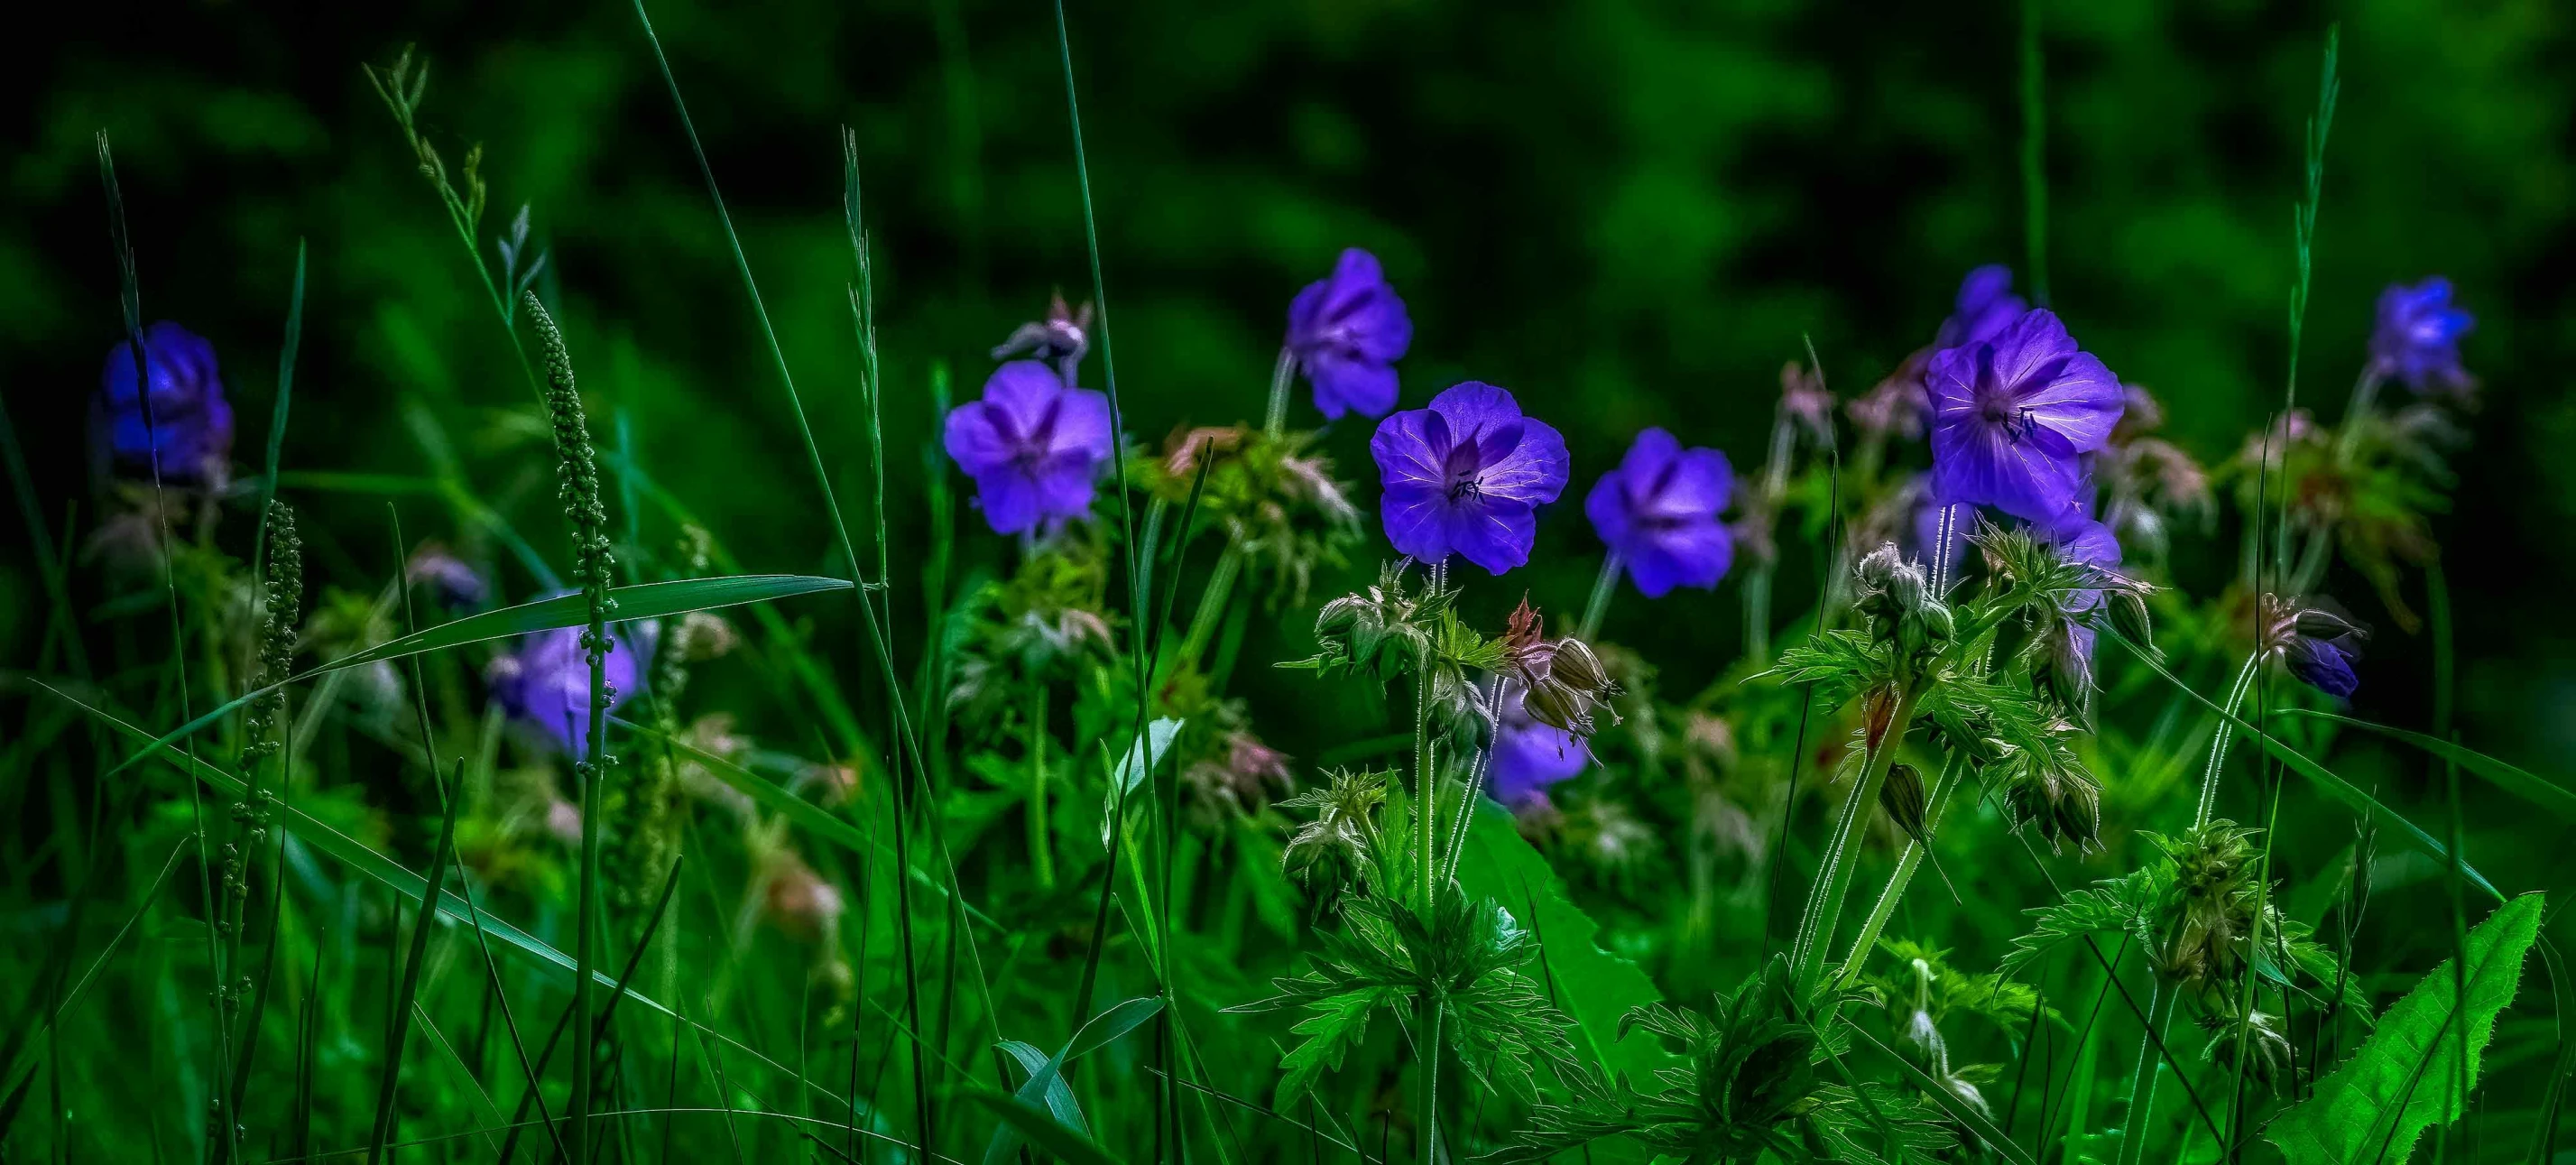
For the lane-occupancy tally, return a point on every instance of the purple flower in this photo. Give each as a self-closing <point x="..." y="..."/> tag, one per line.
<point x="2317" y="644"/>
<point x="1033" y="445"/>
<point x="1466" y="476"/>
<point x="2011" y="416"/>
<point x="546" y="683"/>
<point x="1346" y="332"/>
<point x="1986" y="306"/>
<point x="1658" y="511"/>
<point x="192" y="424"/>
<point x="2417" y="339"/>
<point x="1530" y="756"/>
<point x="449" y="580"/>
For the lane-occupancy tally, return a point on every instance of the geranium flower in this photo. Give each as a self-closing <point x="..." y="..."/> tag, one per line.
<point x="2316" y="643"/>
<point x="1658" y="511"/>
<point x="1466" y="476"/>
<point x="1985" y="307"/>
<point x="192" y="423"/>
<point x="1346" y="333"/>
<point x="546" y="683"/>
<point x="2011" y="416"/>
<point x="2417" y="339"/>
<point x="1033" y="446"/>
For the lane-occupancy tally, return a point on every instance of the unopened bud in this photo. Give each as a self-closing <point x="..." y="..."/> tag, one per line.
<point x="1902" y="796"/>
<point x="1575" y="663"/>
<point x="1875" y="568"/>
<point x="2128" y="610"/>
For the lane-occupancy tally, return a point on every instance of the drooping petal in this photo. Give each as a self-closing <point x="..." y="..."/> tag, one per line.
<point x="1692" y="554"/>
<point x="1347" y="385"/>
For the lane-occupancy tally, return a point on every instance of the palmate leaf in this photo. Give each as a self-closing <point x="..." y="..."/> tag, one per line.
<point x="2123" y="905"/>
<point x="2406" y="1075"/>
<point x="1339" y="1024"/>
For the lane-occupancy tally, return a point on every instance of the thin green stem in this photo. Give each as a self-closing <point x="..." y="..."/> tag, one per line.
<point x="1903" y="875"/>
<point x="1427" y="1056"/>
<point x="1833" y="881"/>
<point x="1041" y="848"/>
<point x="1282" y="375"/>
<point x="2142" y="1086"/>
<point x="2034" y="152"/>
<point x="1424" y="793"/>
<point x="1599" y="604"/>
<point x="2218" y="743"/>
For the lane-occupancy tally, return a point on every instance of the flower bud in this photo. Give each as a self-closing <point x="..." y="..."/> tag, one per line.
<point x="1875" y="568"/>
<point x="2128" y="609"/>
<point x="1551" y="702"/>
<point x="1575" y="663"/>
<point x="1901" y="795"/>
<point x="1907" y="585"/>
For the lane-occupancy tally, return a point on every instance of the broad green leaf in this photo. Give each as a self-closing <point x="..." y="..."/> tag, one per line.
<point x="1589" y="984"/>
<point x="643" y="601"/>
<point x="1042" y="1129"/>
<point x="2523" y="783"/>
<point x="1046" y="1086"/>
<point x="2317" y="774"/>
<point x="2405" y="1077"/>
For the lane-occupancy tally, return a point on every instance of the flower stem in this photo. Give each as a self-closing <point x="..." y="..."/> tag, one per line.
<point x="1906" y="865"/>
<point x="1833" y="881"/>
<point x="1275" y="421"/>
<point x="1599" y="604"/>
<point x="2142" y="1085"/>
<point x="1041" y="849"/>
<point x="1428" y="798"/>
<point x="1428" y="1054"/>
<point x="2218" y="744"/>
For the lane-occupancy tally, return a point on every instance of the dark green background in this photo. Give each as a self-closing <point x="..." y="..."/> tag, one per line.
<point x="1629" y="213"/>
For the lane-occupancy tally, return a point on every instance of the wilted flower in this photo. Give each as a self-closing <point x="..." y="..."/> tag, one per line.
<point x="2317" y="644"/>
<point x="704" y="635"/>
<point x="2417" y="338"/>
<point x="191" y="431"/>
<point x="1241" y="777"/>
<point x="1896" y="406"/>
<point x="1984" y="308"/>
<point x="546" y="683"/>
<point x="2011" y="416"/>
<point x="1658" y="511"/>
<point x="1466" y="476"/>
<point x="563" y="822"/>
<point x="2267" y="1050"/>
<point x="1060" y="340"/>
<point x="1033" y="445"/>
<point x="800" y="901"/>
<point x="1805" y="401"/>
<point x="1346" y="332"/>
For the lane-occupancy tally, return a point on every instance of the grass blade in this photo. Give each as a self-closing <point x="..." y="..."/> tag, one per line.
<point x="2325" y="779"/>
<point x="2520" y="782"/>
<point x="398" y="1021"/>
<point x="642" y="601"/>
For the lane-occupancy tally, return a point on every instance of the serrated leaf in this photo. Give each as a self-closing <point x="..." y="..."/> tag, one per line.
<point x="2405" y="1077"/>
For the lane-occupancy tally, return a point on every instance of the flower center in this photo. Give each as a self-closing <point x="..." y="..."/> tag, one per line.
<point x="1461" y="469"/>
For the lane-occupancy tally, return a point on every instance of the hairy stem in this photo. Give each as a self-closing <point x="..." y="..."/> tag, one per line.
<point x="1897" y="880"/>
<point x="2142" y="1085"/>
<point x="1423" y="791"/>
<point x="1428" y="1053"/>
<point x="1833" y="880"/>
<point x="2218" y="744"/>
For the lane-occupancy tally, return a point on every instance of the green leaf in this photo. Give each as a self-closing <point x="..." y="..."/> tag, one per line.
<point x="1950" y="1102"/>
<point x="2529" y="786"/>
<point x="1592" y="986"/>
<point x="1130" y="771"/>
<point x="2405" y="1077"/>
<point x="1042" y="1129"/>
<point x="1046" y="1087"/>
<point x="643" y="601"/>
<point x="2317" y="774"/>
